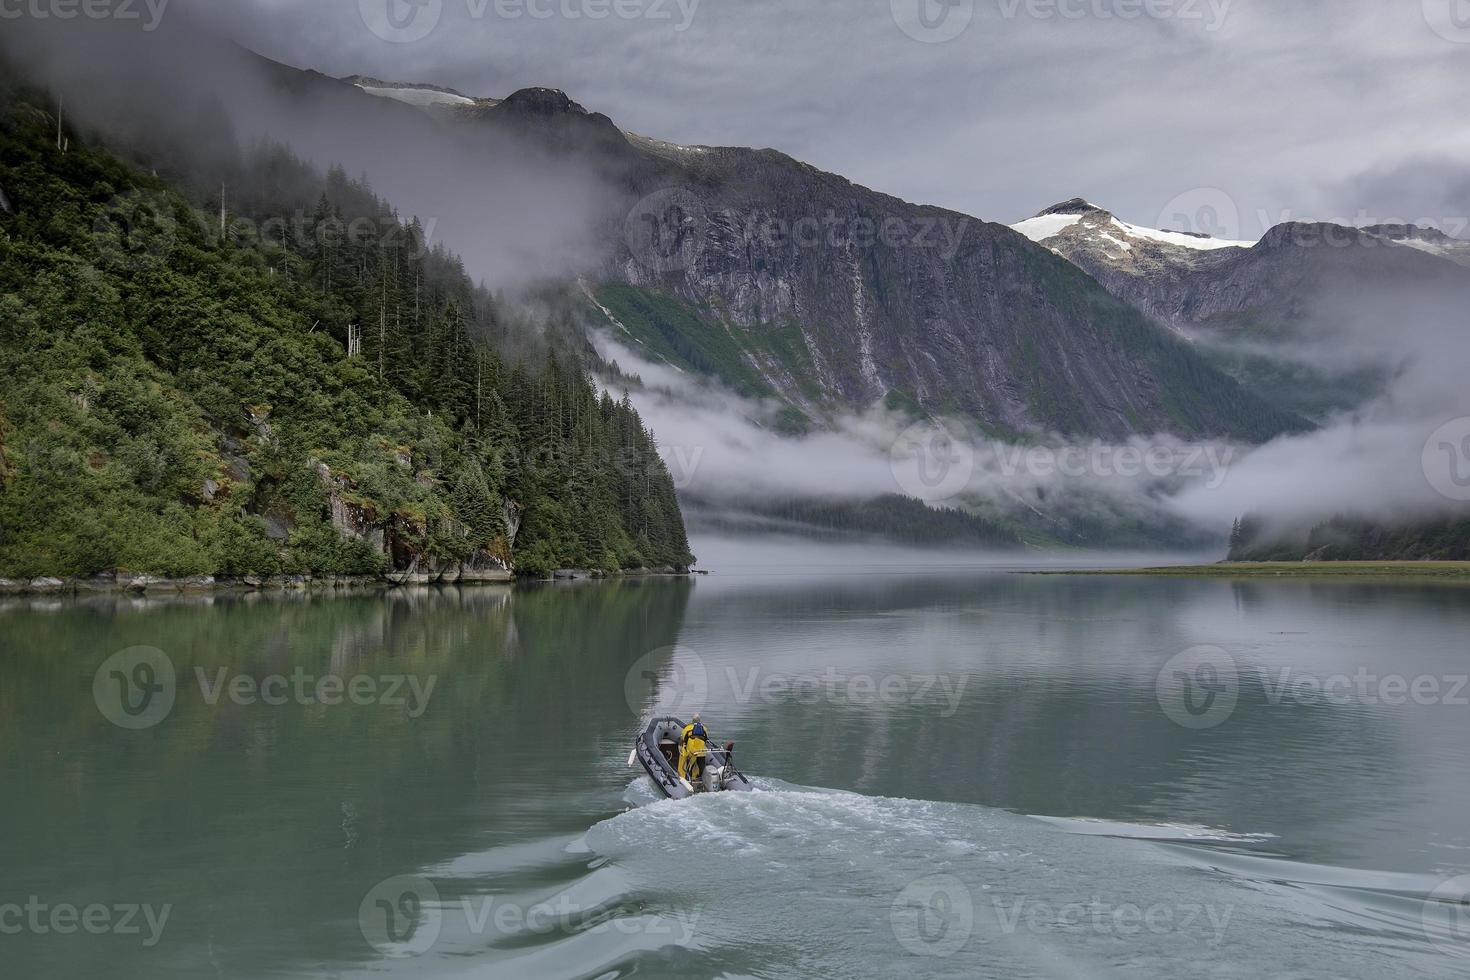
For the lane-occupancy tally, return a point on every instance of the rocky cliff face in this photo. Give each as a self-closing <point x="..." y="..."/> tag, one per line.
<point x="400" y="539"/>
<point x="838" y="296"/>
<point x="783" y="279"/>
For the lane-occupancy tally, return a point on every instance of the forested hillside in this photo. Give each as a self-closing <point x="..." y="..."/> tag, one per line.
<point x="293" y="384"/>
<point x="1346" y="538"/>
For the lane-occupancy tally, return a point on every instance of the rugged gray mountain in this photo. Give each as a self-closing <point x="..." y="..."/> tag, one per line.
<point x="782" y="279"/>
<point x="1277" y="287"/>
<point x="1306" y="318"/>
<point x="769" y="274"/>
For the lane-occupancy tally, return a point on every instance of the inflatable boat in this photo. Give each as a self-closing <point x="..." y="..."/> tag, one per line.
<point x="658" y="750"/>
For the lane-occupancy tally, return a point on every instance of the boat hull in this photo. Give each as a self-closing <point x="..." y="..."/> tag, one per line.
<point x="647" y="752"/>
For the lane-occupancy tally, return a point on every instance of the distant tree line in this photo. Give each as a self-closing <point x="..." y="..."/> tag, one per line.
<point x="1349" y="538"/>
<point x="894" y="518"/>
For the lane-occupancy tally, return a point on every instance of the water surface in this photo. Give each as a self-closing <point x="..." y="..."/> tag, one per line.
<point x="963" y="773"/>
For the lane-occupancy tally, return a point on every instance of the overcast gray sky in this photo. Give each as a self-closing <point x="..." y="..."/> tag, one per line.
<point x="1161" y="110"/>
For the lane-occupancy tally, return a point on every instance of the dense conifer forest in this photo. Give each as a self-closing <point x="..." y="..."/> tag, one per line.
<point x="281" y="376"/>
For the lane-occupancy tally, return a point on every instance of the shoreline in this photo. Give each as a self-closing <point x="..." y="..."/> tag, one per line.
<point x="155" y="585"/>
<point x="1439" y="571"/>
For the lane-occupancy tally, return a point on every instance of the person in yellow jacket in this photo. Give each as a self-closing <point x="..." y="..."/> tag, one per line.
<point x="692" y="749"/>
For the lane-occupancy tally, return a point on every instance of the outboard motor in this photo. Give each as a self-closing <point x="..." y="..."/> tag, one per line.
<point x="718" y="770"/>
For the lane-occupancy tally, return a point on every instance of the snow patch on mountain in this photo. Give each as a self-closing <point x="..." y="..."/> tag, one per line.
<point x="418" y="96"/>
<point x="1179" y="238"/>
<point x="422" y="96"/>
<point x="1045" y="226"/>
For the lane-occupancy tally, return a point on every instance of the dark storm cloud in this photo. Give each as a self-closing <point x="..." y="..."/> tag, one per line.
<point x="1131" y="103"/>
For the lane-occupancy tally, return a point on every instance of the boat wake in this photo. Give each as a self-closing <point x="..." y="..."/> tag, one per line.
<point x="792" y="881"/>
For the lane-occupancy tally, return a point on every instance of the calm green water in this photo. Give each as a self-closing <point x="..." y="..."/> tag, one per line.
<point x="907" y="731"/>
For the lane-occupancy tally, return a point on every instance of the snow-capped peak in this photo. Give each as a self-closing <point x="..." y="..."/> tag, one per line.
<point x="1076" y="205"/>
<point x="1093" y="222"/>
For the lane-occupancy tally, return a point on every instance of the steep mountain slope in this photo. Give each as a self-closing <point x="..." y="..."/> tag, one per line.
<point x="837" y="296"/>
<point x="781" y="279"/>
